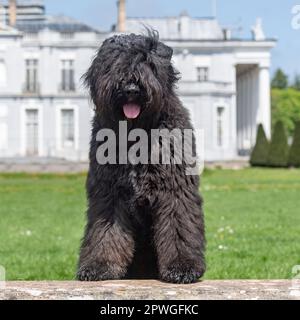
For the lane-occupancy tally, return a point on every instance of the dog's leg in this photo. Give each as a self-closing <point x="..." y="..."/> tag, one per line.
<point x="179" y="238"/>
<point x="106" y="251"/>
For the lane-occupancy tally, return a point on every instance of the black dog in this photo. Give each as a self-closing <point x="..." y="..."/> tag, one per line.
<point x="144" y="220"/>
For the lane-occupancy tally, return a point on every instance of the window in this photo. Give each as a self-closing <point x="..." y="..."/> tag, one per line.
<point x="220" y="126"/>
<point x="31" y="35"/>
<point x="202" y="74"/>
<point x="67" y="35"/>
<point x="32" y="132"/>
<point x="179" y="28"/>
<point x="31" y="84"/>
<point x="68" y="83"/>
<point x="3" y="136"/>
<point x="67" y="122"/>
<point x="3" y="129"/>
<point x="3" y="74"/>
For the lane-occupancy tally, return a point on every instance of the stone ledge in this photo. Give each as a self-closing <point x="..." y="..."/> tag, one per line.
<point x="151" y="290"/>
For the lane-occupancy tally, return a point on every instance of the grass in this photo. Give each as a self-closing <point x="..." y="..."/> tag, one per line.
<point x="252" y="222"/>
<point x="42" y="220"/>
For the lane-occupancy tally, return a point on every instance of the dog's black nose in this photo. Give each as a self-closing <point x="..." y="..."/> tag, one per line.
<point x="132" y="89"/>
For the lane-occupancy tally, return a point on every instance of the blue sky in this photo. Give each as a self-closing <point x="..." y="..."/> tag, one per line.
<point x="276" y="15"/>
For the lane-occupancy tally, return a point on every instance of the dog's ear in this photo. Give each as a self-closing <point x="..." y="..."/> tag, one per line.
<point x="91" y="80"/>
<point x="164" y="51"/>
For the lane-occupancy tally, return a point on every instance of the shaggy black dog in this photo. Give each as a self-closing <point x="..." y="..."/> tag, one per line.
<point x="144" y="220"/>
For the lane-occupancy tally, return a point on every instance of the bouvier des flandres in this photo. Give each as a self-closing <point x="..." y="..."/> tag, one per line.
<point x="144" y="220"/>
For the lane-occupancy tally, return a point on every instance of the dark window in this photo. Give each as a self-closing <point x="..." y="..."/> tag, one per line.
<point x="32" y="132"/>
<point x="31" y="82"/>
<point x="202" y="74"/>
<point x="67" y="35"/>
<point x="68" y="83"/>
<point x="220" y="126"/>
<point x="68" y="137"/>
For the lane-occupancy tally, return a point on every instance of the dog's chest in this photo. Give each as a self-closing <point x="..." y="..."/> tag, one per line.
<point x="139" y="180"/>
<point x="136" y="179"/>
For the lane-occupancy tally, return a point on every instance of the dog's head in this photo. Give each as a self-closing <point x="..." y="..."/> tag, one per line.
<point x="130" y="76"/>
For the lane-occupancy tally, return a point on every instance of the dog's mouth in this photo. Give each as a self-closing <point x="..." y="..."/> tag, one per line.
<point x="131" y="110"/>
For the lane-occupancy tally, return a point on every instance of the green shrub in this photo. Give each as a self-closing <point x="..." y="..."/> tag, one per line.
<point x="286" y="108"/>
<point x="294" y="156"/>
<point x="259" y="155"/>
<point x="279" y="148"/>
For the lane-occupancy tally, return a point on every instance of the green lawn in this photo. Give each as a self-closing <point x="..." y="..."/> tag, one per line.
<point x="252" y="222"/>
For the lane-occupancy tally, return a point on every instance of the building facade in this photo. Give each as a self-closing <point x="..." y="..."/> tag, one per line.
<point x="45" y="110"/>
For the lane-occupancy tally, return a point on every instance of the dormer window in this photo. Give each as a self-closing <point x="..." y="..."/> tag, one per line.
<point x="67" y="35"/>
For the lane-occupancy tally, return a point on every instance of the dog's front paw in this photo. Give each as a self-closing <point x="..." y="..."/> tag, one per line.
<point x="99" y="272"/>
<point x="87" y="274"/>
<point x="182" y="272"/>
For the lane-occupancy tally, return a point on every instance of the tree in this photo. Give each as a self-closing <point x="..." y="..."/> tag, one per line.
<point x="279" y="148"/>
<point x="286" y="108"/>
<point x="280" y="80"/>
<point x="296" y="84"/>
<point x="259" y="155"/>
<point x="294" y="156"/>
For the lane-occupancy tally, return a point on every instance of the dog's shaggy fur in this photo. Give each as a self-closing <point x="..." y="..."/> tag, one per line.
<point x="144" y="221"/>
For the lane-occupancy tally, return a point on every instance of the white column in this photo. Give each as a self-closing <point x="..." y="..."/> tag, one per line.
<point x="248" y="107"/>
<point x="233" y="118"/>
<point x="255" y="102"/>
<point x="244" y="110"/>
<point x="253" y="108"/>
<point x="247" y="110"/>
<point x="264" y="100"/>
<point x="241" y="109"/>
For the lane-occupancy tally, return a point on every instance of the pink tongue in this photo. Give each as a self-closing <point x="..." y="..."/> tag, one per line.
<point x="131" y="110"/>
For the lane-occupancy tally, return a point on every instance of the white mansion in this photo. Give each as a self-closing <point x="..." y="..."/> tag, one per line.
<point x="46" y="112"/>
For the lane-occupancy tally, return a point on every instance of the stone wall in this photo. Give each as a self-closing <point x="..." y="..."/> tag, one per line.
<point x="152" y="290"/>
